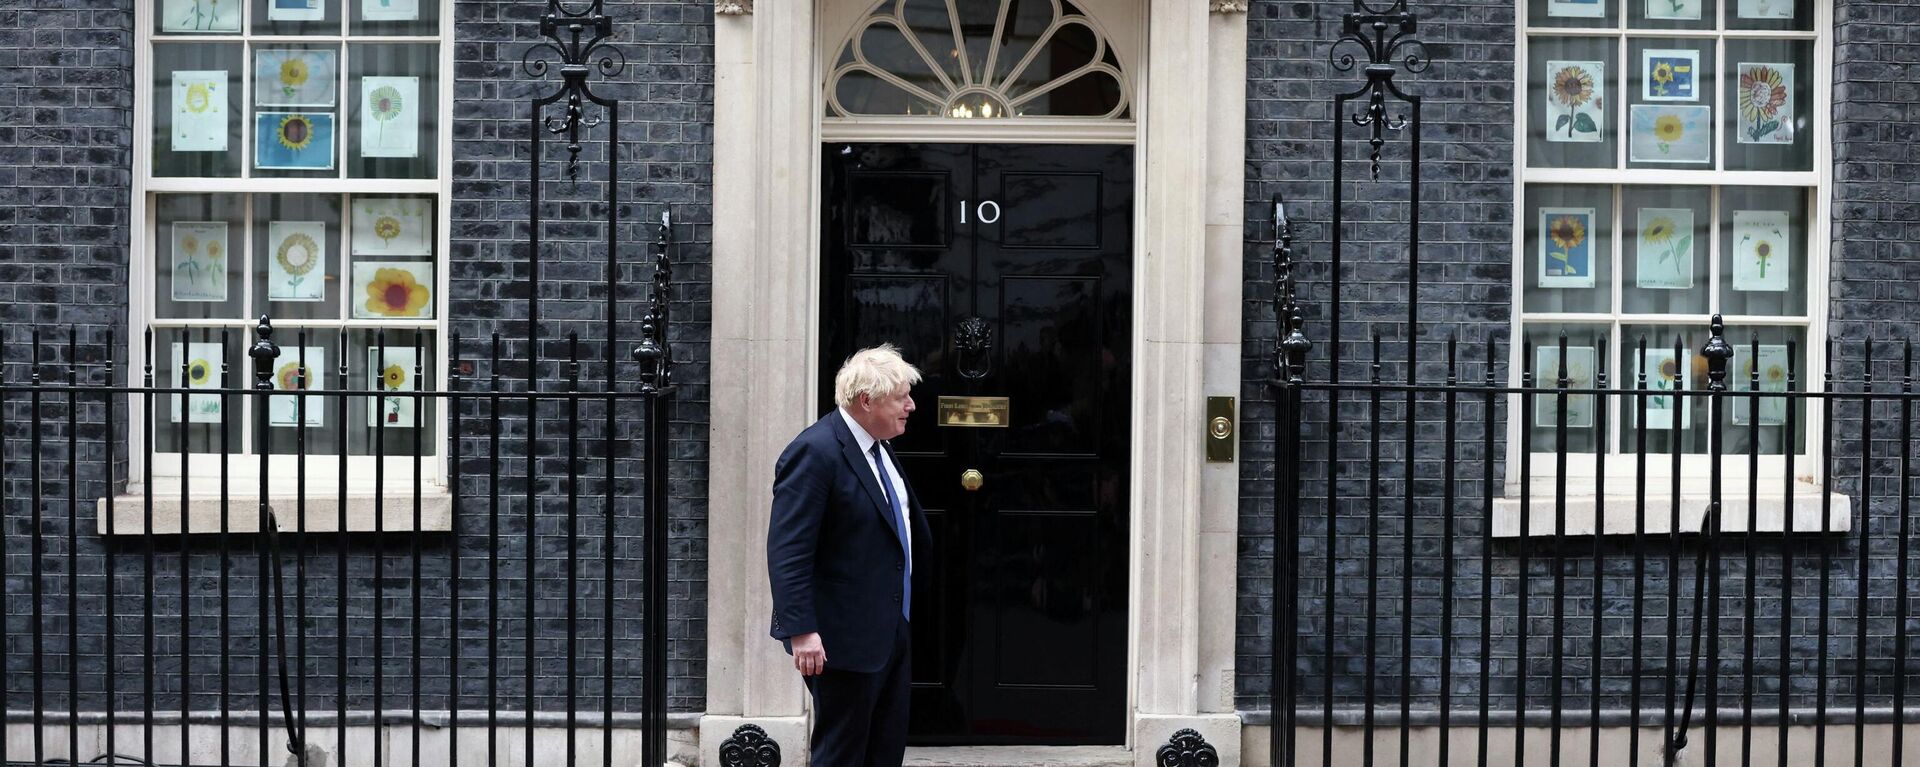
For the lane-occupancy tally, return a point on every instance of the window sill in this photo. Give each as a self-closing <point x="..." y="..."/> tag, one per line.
<point x="1583" y="507"/>
<point x="322" y="513"/>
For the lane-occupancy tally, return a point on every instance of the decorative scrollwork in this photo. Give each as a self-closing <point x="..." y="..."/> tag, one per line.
<point x="733" y="7"/>
<point x="749" y="746"/>
<point x="653" y="352"/>
<point x="1187" y="749"/>
<point x="578" y="40"/>
<point x="1290" y="354"/>
<point x="1384" y="37"/>
<point x="973" y="347"/>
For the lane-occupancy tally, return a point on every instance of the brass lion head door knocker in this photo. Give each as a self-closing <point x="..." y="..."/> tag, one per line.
<point x="973" y="348"/>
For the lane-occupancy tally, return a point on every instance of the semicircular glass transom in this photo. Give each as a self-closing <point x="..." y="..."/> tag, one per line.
<point x="980" y="59"/>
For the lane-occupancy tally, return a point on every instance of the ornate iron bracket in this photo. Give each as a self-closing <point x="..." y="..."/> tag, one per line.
<point x="749" y="746"/>
<point x="567" y="34"/>
<point x="1187" y="749"/>
<point x="1290" y="353"/>
<point x="1386" y="38"/>
<point x="653" y="352"/>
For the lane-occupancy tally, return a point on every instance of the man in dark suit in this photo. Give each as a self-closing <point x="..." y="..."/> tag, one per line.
<point x="840" y="552"/>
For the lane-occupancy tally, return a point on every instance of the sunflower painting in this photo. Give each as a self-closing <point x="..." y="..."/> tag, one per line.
<point x="289" y="375"/>
<point x="390" y="117"/>
<point x="392" y="226"/>
<point x="1581" y="361"/>
<point x="285" y="77"/>
<point x="1669" y="75"/>
<point x="199" y="111"/>
<point x="1764" y="96"/>
<point x="393" y="368"/>
<point x="1762" y="250"/>
<point x="1771" y="369"/>
<point x="293" y="141"/>
<point x="195" y="366"/>
<point x="296" y="258"/>
<point x="392" y="290"/>
<point x="1566" y="247"/>
<point x="1670" y="133"/>
<point x="199" y="262"/>
<point x="1665" y="373"/>
<point x="1663" y="249"/>
<point x="1575" y="101"/>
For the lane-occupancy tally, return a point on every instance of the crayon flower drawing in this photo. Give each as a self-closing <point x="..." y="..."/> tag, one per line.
<point x="1762" y="250"/>
<point x="1575" y="108"/>
<point x="1663" y="256"/>
<point x="1566" y="248"/>
<point x="1765" y="100"/>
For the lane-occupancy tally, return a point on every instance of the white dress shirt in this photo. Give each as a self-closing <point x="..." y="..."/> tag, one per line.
<point x="866" y="441"/>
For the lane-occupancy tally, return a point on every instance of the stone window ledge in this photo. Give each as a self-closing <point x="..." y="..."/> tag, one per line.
<point x="1584" y="505"/>
<point x="396" y="510"/>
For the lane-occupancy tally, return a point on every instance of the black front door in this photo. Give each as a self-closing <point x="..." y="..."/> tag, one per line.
<point x="1001" y="271"/>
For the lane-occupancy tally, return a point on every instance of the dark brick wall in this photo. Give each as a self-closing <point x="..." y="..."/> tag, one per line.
<point x="65" y="154"/>
<point x="65" y="160"/>
<point x="1465" y="273"/>
<point x="666" y="91"/>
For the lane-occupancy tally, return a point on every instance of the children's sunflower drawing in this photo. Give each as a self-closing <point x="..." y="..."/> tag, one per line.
<point x="295" y="132"/>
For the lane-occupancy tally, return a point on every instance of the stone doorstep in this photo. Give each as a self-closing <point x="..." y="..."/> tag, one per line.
<point x="1020" y="756"/>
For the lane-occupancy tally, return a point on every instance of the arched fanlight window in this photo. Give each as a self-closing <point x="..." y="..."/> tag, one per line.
<point x="977" y="59"/>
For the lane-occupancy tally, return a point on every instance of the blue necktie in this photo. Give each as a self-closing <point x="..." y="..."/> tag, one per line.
<point x="899" y="529"/>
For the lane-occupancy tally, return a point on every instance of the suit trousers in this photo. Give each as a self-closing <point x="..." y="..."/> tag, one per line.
<point x="860" y="719"/>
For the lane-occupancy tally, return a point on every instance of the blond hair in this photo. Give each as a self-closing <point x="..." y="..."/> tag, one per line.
<point x="876" y="372"/>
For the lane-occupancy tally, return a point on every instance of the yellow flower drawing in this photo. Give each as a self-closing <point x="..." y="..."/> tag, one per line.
<point x="1776" y="374"/>
<point x="293" y="73"/>
<point x="393" y="377"/>
<point x="1572" y="87"/>
<point x="1663" y="73"/>
<point x="1567" y="232"/>
<point x="1669" y="128"/>
<point x="386" y="228"/>
<point x="394" y="293"/>
<point x="1660" y="231"/>
<point x="298" y="254"/>
<point x="199" y="372"/>
<point x="214" y="251"/>
<point x="291" y="376"/>
<point x="296" y="132"/>
<point x="199" y="98"/>
<point x="189" y="244"/>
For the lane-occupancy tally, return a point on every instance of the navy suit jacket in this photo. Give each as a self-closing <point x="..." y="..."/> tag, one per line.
<point x="833" y="560"/>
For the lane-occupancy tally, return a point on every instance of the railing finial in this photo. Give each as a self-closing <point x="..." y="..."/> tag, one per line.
<point x="1718" y="353"/>
<point x="264" y="351"/>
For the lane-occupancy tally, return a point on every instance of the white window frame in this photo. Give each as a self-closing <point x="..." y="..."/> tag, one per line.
<point x="1621" y="472"/>
<point x="243" y="466"/>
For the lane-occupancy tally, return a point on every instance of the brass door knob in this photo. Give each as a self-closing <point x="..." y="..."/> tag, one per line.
<point x="972" y="479"/>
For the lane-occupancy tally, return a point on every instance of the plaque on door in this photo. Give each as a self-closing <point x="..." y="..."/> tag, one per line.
<point x="974" y="412"/>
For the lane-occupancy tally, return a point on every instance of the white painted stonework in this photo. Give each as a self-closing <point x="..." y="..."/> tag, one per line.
<point x="1188" y="73"/>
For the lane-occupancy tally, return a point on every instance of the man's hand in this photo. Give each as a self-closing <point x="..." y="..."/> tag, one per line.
<point x="809" y="655"/>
